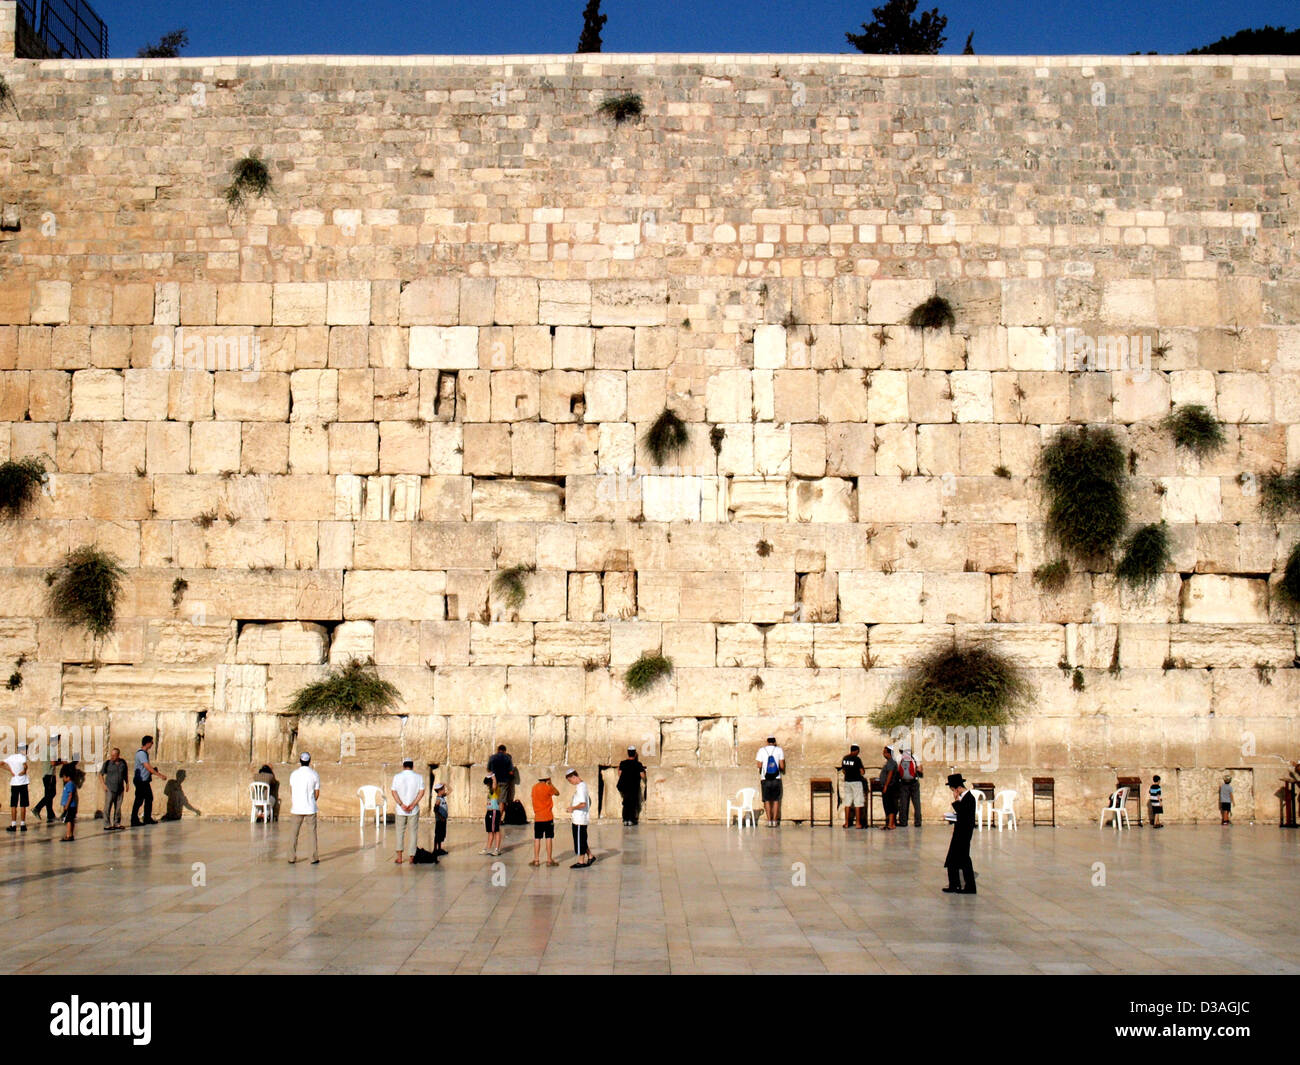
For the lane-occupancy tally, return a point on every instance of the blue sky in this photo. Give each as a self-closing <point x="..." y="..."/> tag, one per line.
<point x="387" y="27"/>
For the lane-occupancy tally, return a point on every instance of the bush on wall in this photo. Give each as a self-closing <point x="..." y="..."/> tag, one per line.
<point x="84" y="590"/>
<point x="954" y="686"/>
<point x="353" y="692"/>
<point x="1083" y="474"/>
<point x="20" y="482"/>
<point x="1146" y="556"/>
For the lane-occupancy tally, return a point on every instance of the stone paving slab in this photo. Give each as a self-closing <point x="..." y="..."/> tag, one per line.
<point x="661" y="899"/>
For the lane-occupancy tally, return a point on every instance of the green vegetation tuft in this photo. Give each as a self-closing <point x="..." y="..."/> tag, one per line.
<point x="1195" y="429"/>
<point x="85" y="590"/>
<point x="623" y="107"/>
<point x="646" y="671"/>
<point x="1146" y="556"/>
<point x="249" y="177"/>
<point x="20" y="483"/>
<point x="353" y="692"/>
<point x="1083" y="476"/>
<point x="975" y="686"/>
<point x="934" y="313"/>
<point x="509" y="584"/>
<point x="667" y="436"/>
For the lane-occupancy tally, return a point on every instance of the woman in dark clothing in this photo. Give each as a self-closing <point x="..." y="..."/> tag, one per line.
<point x="958" y="860"/>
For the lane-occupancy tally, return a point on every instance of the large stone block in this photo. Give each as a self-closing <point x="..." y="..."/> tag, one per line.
<point x="1211" y="599"/>
<point x="282" y="642"/>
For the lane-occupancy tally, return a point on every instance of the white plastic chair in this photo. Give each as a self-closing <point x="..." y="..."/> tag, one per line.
<point x="981" y="807"/>
<point x="259" y="797"/>
<point x="746" y="806"/>
<point x="1118" y="809"/>
<point x="373" y="798"/>
<point x="1003" y="808"/>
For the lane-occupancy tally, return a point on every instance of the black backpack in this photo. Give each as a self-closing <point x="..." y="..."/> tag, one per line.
<point x="516" y="814"/>
<point x="424" y="857"/>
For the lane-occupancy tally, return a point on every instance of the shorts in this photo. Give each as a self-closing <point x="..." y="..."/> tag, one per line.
<point x="492" y="821"/>
<point x="890" y="799"/>
<point x="1225" y="807"/>
<point x="853" y="793"/>
<point x="772" y="790"/>
<point x="17" y="794"/>
<point x="543" y="830"/>
<point x="70" y="815"/>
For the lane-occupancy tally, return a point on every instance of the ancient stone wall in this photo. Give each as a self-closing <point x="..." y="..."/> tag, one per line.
<point x="433" y="350"/>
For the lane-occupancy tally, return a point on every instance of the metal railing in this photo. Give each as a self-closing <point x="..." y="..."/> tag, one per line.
<point x="69" y="29"/>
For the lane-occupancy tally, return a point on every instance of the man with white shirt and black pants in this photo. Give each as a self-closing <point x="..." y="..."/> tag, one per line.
<point x="408" y="790"/>
<point x="580" y="810"/>
<point x="304" y="785"/>
<point x="16" y="763"/>
<point x="771" y="765"/>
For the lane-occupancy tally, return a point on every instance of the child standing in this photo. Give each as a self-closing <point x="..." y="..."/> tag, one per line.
<point x="492" y="819"/>
<point x="439" y="820"/>
<point x="68" y="801"/>
<point x="1225" y="800"/>
<point x="1157" y="802"/>
<point x="544" y="793"/>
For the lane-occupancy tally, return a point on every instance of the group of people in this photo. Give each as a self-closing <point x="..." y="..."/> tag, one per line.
<point x="68" y="778"/>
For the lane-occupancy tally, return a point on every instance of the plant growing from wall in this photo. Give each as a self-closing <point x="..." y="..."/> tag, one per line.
<point x="716" y="435"/>
<point x="1083" y="476"/>
<point x="666" y="436"/>
<point x="5" y="95"/>
<point x="353" y="692"/>
<point x="20" y="482"/>
<point x="955" y="686"/>
<point x="1195" y="429"/>
<point x="1289" y="586"/>
<point x="621" y="108"/>
<point x="1279" y="493"/>
<point x="249" y="177"/>
<point x="934" y="313"/>
<point x="85" y="590"/>
<point x="646" y="671"/>
<point x="1146" y="556"/>
<point x="509" y="584"/>
<point x="179" y="585"/>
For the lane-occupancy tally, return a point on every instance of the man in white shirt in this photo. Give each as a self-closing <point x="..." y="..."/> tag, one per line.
<point x="771" y="766"/>
<point x="304" y="785"/>
<point x="580" y="810"/>
<point x="408" y="790"/>
<point x="16" y="763"/>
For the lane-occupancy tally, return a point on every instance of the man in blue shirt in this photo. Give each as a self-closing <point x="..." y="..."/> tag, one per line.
<point x="142" y="776"/>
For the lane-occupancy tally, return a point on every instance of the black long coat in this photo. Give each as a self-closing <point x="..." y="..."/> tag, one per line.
<point x="962" y="831"/>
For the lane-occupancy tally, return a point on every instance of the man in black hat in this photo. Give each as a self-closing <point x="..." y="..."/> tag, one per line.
<point x="958" y="860"/>
<point x="630" y="775"/>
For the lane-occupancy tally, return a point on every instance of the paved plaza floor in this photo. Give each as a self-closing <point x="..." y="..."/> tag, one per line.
<point x="200" y="896"/>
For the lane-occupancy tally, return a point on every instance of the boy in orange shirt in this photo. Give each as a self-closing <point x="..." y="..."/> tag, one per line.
<point x="544" y="793"/>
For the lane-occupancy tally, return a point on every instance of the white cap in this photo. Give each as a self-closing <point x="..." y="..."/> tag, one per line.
<point x="304" y="758"/>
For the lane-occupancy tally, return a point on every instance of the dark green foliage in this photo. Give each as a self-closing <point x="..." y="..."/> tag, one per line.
<point x="1267" y="40"/>
<point x="178" y="591"/>
<point x="666" y="437"/>
<point x="4" y="90"/>
<point x="1264" y="672"/>
<point x="1003" y="472"/>
<point x="895" y="32"/>
<point x="975" y="686"/>
<point x="622" y="107"/>
<point x="1076" y="680"/>
<point x="249" y="177"/>
<point x="592" y="23"/>
<point x="763" y="548"/>
<point x="1193" y="427"/>
<point x="645" y="671"/>
<point x="1051" y="576"/>
<point x="716" y="435"/>
<point x="169" y="46"/>
<point x="1146" y="556"/>
<point x="15" y="681"/>
<point x="509" y="585"/>
<point x="85" y="590"/>
<point x="934" y="313"/>
<point x="1083" y="476"/>
<point x="1289" y="586"/>
<point x="1279" y="493"/>
<point x="20" y="482"/>
<point x="354" y="692"/>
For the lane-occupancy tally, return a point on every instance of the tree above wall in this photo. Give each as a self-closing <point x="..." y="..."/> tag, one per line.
<point x="894" y="31"/>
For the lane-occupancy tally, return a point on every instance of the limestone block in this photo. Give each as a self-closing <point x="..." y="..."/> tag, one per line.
<point x="370" y="594"/>
<point x="135" y="689"/>
<point x="956" y="597"/>
<point x="240" y="689"/>
<point x="888" y="397"/>
<point x="264" y="447"/>
<point x="474" y="690"/>
<point x="516" y="301"/>
<point x="509" y="500"/>
<point x="671" y="498"/>
<point x="586" y="597"/>
<point x="1028" y="303"/>
<point x="282" y="642"/>
<point x="382" y="545"/>
<point x="144" y="394"/>
<point x="96" y="396"/>
<point x="795" y="395"/>
<point x="570" y="643"/>
<point x="477" y="300"/>
<point x="353" y="447"/>
<point x="972" y="395"/>
<point x="573" y="348"/>
<point x="828" y="499"/>
<point x="562" y="398"/>
<point x="689" y="643"/>
<point x="347" y="303"/>
<point x="532" y="449"/>
<point x="809" y="451"/>
<point x="615" y="348"/>
<point x="1211" y="599"/>
<point x="251" y="397"/>
<point x="51" y="302"/>
<point x="899" y="646"/>
<point x="842" y="395"/>
<point x="444" y="643"/>
<point x="729" y="396"/>
<point x="298" y="303"/>
<point x="545" y="694"/>
<point x="403" y="448"/>
<point x="619" y="595"/>
<point x="1033" y="646"/>
<point x="789" y="646"/>
<point x="189" y="396"/>
<point x="881" y="597"/>
<point x="889" y="302"/>
<point x="436" y="347"/>
<point x="769" y="347"/>
<point x="515" y="396"/>
<point x="757" y="499"/>
<point x="818" y="595"/>
<point x="768" y="597"/>
<point x="1191" y="499"/>
<point x="501" y="643"/>
<point x="627" y="302"/>
<point x="1228" y="646"/>
<point x="430" y="301"/>
<point x="772" y="450"/>
<point x="546" y="598"/>
<point x="605" y="393"/>
<point x="739" y="645"/>
<point x="629" y="640"/>
<point x="895" y="450"/>
<point x="840" y="646"/>
<point x="244" y="303"/>
<point x="467" y="594"/>
<point x="565" y="303"/>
